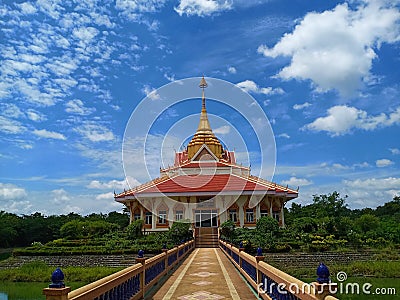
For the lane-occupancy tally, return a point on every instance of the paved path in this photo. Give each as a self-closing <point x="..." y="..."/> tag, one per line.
<point x="205" y="274"/>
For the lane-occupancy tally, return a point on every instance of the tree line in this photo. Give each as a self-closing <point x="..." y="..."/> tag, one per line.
<point x="22" y="231"/>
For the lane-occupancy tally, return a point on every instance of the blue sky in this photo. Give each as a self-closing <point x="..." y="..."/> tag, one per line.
<point x="326" y="74"/>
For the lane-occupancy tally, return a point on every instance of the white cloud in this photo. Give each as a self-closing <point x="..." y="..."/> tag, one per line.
<point x="388" y="183"/>
<point x="380" y="163"/>
<point x="11" y="110"/>
<point x="44" y="133"/>
<point x="95" y="132"/>
<point x="342" y="119"/>
<point x="335" y="48"/>
<point x="35" y="116"/>
<point x="301" y="106"/>
<point x="394" y="151"/>
<point x="76" y="106"/>
<point x="151" y="93"/>
<point x="60" y="196"/>
<point x="232" y="70"/>
<point x="85" y="34"/>
<point x="202" y="8"/>
<point x="225" y="129"/>
<point x="133" y="10"/>
<point x="27" y="8"/>
<point x="11" y="126"/>
<point x="250" y="86"/>
<point x="284" y="135"/>
<point x="294" y="181"/>
<point x="113" y="184"/>
<point x="105" y="196"/>
<point x="11" y="192"/>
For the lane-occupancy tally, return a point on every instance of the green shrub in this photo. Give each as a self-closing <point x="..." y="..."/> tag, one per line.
<point x="228" y="229"/>
<point x="180" y="230"/>
<point x="134" y="230"/>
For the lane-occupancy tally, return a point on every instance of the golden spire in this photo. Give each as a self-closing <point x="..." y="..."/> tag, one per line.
<point x="203" y="84"/>
<point x="204" y="134"/>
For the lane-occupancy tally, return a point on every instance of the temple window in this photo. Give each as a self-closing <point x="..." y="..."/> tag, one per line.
<point x="178" y="215"/>
<point x="250" y="215"/>
<point x="264" y="213"/>
<point x="149" y="218"/>
<point x="136" y="214"/>
<point x="162" y="217"/>
<point x="276" y="215"/>
<point x="233" y="215"/>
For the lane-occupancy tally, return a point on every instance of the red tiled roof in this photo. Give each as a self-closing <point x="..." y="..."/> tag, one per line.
<point x="206" y="183"/>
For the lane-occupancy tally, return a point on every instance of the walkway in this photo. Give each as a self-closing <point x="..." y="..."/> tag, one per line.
<point x="205" y="274"/>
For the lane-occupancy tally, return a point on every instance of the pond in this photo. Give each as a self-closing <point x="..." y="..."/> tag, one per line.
<point x="27" y="290"/>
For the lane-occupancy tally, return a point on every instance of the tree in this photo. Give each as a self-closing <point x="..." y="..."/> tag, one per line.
<point x="367" y="223"/>
<point x="134" y="230"/>
<point x="228" y="229"/>
<point x="331" y="205"/>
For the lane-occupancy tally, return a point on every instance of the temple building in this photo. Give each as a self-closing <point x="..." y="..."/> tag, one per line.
<point x="206" y="186"/>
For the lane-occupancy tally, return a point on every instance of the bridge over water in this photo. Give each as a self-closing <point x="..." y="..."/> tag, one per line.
<point x="189" y="273"/>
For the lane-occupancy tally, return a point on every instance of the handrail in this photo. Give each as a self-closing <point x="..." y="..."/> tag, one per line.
<point x="132" y="282"/>
<point x="270" y="282"/>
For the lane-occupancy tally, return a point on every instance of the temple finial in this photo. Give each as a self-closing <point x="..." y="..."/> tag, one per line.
<point x="203" y="84"/>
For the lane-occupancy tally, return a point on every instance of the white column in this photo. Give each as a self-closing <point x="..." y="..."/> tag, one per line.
<point x="282" y="214"/>
<point x="271" y="201"/>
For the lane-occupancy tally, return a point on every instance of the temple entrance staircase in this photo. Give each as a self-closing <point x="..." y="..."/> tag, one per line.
<point x="206" y="237"/>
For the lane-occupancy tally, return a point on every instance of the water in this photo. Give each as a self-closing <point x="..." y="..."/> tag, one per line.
<point x="3" y="296"/>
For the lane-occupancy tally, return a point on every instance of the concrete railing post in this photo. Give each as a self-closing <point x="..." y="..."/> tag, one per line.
<point x="142" y="260"/>
<point x="165" y="251"/>
<point x="241" y="249"/>
<point x="57" y="289"/>
<point x="259" y="257"/>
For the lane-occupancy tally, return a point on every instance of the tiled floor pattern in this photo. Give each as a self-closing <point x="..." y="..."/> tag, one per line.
<point x="205" y="274"/>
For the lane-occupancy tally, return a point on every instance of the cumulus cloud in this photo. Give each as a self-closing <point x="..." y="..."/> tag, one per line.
<point x="394" y="151"/>
<point x="11" y="192"/>
<point x="335" y="49"/>
<point x="10" y="126"/>
<point x="202" y="8"/>
<point x="380" y="163"/>
<point x="232" y="70"/>
<point x="44" y="133"/>
<point x="250" y="86"/>
<point x="342" y="119"/>
<point x="95" y="132"/>
<point x="113" y="184"/>
<point x="294" y="181"/>
<point x="76" y="106"/>
<point x="35" y="116"/>
<point x="301" y="106"/>
<point x="284" y="135"/>
<point x="151" y="93"/>
<point x="225" y="129"/>
<point x="105" y="196"/>
<point x="60" y="196"/>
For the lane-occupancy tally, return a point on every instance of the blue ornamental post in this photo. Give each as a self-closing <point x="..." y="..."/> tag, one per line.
<point x="57" y="279"/>
<point x="57" y="289"/>
<point x="324" y="286"/>
<point x="241" y="247"/>
<point x="323" y="273"/>
<point x="259" y="256"/>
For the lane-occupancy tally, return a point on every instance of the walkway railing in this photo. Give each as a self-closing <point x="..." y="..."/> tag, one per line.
<point x="130" y="283"/>
<point x="272" y="283"/>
